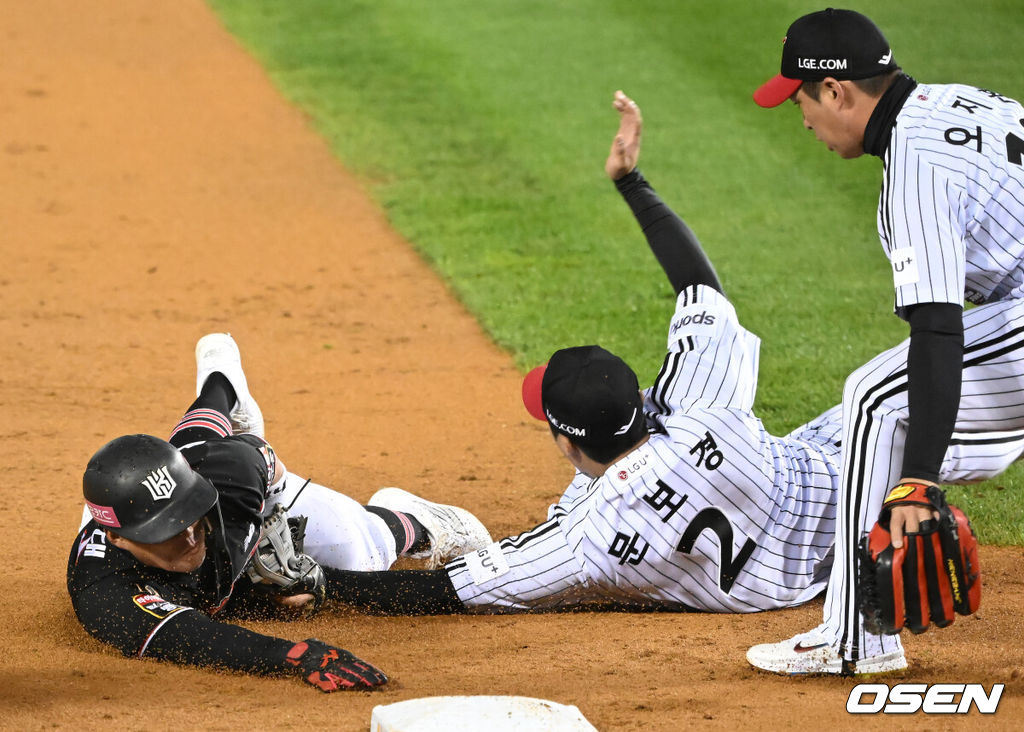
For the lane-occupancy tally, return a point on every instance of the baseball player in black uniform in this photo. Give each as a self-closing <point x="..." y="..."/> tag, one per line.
<point x="951" y="221"/>
<point x="177" y="535"/>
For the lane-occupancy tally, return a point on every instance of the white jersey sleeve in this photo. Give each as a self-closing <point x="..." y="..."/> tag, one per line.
<point x="712" y="360"/>
<point x="535" y="570"/>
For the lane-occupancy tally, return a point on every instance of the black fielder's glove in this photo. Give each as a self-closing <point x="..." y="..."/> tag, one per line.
<point x="933" y="576"/>
<point x="332" y="669"/>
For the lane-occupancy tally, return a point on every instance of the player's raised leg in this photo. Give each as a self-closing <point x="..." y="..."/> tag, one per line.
<point x="218" y="353"/>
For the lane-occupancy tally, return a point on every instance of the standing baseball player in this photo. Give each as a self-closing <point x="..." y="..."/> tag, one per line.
<point x="681" y="499"/>
<point x="951" y="221"/>
<point x="180" y="533"/>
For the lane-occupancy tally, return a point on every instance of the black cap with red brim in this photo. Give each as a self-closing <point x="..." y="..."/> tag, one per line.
<point x="841" y="44"/>
<point x="588" y="394"/>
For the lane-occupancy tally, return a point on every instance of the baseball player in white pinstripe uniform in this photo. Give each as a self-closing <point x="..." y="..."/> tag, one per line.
<point x="951" y="221"/>
<point x="681" y="499"/>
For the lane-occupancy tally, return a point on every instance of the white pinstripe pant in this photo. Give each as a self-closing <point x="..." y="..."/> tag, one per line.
<point x="988" y="437"/>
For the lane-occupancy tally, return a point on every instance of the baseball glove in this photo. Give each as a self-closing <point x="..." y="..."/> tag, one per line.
<point x="279" y="566"/>
<point x="934" y="575"/>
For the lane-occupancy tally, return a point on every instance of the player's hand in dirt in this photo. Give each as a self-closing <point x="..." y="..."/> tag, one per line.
<point x="332" y="669"/>
<point x="296" y="604"/>
<point x="626" y="145"/>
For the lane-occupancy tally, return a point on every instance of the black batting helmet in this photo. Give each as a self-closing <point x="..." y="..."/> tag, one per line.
<point x="142" y="488"/>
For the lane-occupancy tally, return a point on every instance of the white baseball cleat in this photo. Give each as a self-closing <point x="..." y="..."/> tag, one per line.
<point x="219" y="352"/>
<point x="453" y="531"/>
<point x="812" y="654"/>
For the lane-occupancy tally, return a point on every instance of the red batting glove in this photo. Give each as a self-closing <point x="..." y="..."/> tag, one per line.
<point x="332" y="669"/>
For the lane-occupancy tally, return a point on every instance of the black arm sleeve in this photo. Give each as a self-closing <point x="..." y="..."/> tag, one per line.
<point x="142" y="623"/>
<point x="195" y="639"/>
<point x="673" y="243"/>
<point x="395" y="592"/>
<point x="935" y="374"/>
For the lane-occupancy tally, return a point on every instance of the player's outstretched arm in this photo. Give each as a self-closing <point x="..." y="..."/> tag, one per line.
<point x="114" y="611"/>
<point x="673" y="243"/>
<point x="194" y="639"/>
<point x="395" y="592"/>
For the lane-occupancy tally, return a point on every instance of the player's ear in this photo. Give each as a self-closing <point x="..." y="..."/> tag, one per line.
<point x="115" y="539"/>
<point x="832" y="90"/>
<point x="572" y="453"/>
<point x="841" y="95"/>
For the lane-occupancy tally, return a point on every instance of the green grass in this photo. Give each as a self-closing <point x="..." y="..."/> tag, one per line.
<point x="481" y="128"/>
<point x="995" y="508"/>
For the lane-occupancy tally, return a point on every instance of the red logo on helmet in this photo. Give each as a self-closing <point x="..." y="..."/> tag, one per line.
<point x="103" y="515"/>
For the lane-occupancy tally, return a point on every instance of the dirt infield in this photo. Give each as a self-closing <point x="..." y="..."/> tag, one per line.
<point x="155" y="187"/>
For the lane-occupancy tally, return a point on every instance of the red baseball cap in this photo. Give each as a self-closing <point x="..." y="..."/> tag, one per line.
<point x="842" y="44"/>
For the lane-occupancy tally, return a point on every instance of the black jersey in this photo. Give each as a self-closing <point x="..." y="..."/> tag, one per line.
<point x="144" y="610"/>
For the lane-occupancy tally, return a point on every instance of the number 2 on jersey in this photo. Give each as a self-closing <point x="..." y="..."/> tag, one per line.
<point x="713" y="518"/>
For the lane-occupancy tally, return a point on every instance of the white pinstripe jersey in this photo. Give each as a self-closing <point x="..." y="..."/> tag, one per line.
<point x="711" y="513"/>
<point x="951" y="209"/>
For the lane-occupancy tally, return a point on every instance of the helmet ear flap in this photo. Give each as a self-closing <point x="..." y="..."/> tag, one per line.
<point x="141" y="488"/>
